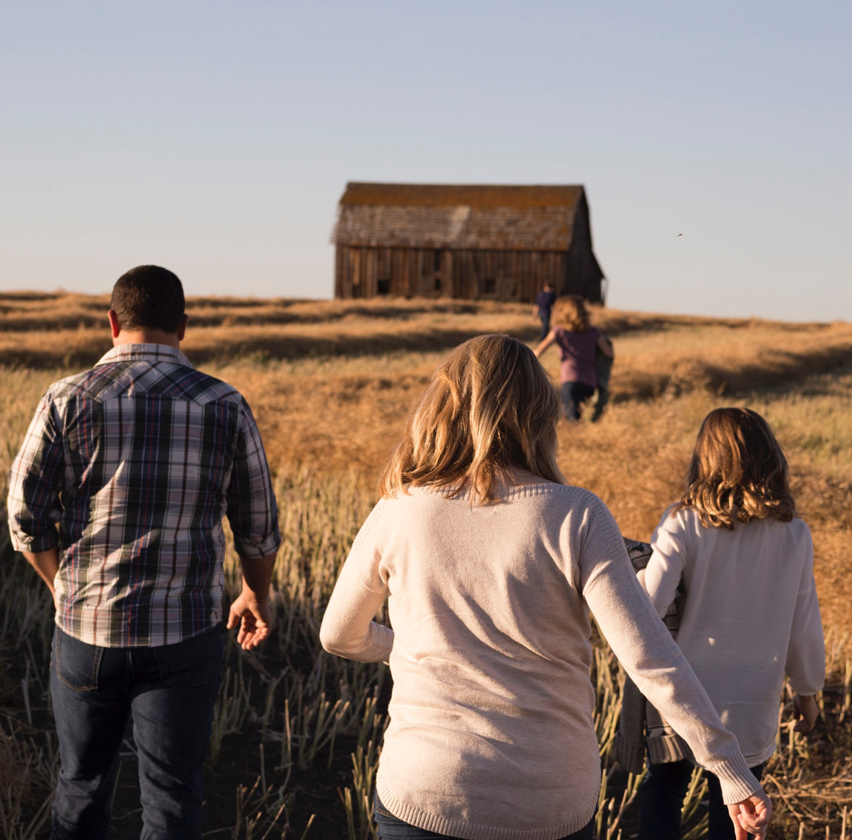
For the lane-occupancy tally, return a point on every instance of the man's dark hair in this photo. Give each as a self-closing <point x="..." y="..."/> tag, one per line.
<point x="149" y="297"/>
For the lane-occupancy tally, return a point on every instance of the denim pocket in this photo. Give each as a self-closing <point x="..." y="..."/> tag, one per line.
<point x="381" y="814"/>
<point x="77" y="664"/>
<point x="196" y="661"/>
<point x="379" y="810"/>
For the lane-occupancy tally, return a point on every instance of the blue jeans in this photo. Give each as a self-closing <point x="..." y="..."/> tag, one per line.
<point x="391" y="828"/>
<point x="170" y="692"/>
<point x="574" y="394"/>
<point x="661" y="799"/>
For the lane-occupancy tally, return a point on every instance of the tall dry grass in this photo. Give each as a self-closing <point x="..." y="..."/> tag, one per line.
<point x="332" y="385"/>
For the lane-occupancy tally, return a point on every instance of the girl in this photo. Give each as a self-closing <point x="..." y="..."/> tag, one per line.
<point x="491" y="562"/>
<point x="577" y="341"/>
<point x="751" y="611"/>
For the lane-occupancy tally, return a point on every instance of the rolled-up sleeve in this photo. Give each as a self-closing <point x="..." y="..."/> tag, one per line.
<point x="35" y="482"/>
<point x="252" y="510"/>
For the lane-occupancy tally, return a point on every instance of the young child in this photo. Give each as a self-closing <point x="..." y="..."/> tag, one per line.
<point x="751" y="614"/>
<point x="578" y="341"/>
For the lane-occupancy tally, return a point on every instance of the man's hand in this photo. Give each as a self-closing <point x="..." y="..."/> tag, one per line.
<point x="251" y="609"/>
<point x="253" y="617"/>
<point x="751" y="816"/>
<point x="806" y="712"/>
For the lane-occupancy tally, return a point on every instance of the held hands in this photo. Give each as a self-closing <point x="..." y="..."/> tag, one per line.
<point x="253" y="617"/>
<point x="806" y="712"/>
<point x="751" y="816"/>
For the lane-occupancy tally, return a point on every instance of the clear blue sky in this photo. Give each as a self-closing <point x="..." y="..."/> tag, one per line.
<point x="216" y="138"/>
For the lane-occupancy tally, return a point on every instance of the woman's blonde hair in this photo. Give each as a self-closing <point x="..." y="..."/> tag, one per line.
<point x="738" y="471"/>
<point x="571" y="313"/>
<point x="490" y="407"/>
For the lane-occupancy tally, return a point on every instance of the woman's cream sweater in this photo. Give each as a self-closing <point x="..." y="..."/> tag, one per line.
<point x="491" y="733"/>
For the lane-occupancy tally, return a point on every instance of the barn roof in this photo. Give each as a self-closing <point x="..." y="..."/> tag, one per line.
<point x="457" y="216"/>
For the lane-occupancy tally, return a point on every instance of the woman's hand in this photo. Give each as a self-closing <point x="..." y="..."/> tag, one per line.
<point x="806" y="712"/>
<point x="751" y="816"/>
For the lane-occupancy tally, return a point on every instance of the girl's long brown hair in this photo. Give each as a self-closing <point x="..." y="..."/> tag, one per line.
<point x="490" y="407"/>
<point x="738" y="471"/>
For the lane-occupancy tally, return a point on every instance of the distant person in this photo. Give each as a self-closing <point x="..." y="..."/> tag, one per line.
<point x="603" y="370"/>
<point x="736" y="545"/>
<point x="138" y="460"/>
<point x="544" y="301"/>
<point x="578" y="341"/>
<point x="490" y="563"/>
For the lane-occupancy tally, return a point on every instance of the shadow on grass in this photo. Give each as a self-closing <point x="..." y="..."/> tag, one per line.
<point x="261" y="347"/>
<point x="782" y="368"/>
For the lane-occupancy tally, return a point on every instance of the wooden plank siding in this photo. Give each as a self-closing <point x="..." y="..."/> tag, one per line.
<point x="464" y="274"/>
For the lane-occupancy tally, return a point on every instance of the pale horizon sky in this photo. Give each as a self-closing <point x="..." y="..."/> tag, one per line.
<point x="216" y="139"/>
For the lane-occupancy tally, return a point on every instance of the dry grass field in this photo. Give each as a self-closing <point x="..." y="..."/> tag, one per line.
<point x="297" y="733"/>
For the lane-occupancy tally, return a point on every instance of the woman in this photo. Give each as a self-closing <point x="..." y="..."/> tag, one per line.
<point x="491" y="561"/>
<point x="578" y="342"/>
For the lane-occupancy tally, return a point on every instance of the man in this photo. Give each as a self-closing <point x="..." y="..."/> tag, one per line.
<point x="544" y="301"/>
<point x="137" y="460"/>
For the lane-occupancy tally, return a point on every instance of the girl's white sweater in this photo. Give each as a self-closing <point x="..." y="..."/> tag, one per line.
<point x="751" y="613"/>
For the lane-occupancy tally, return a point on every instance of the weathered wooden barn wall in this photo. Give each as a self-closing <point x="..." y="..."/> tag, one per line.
<point x="469" y="274"/>
<point x="473" y="243"/>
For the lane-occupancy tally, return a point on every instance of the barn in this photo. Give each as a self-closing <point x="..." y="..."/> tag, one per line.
<point x="464" y="241"/>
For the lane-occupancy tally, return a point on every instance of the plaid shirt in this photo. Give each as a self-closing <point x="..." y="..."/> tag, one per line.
<point x="137" y="460"/>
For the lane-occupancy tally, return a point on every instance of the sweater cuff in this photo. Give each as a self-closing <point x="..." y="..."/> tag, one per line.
<point x="736" y="779"/>
<point x="806" y="687"/>
<point x="630" y="755"/>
